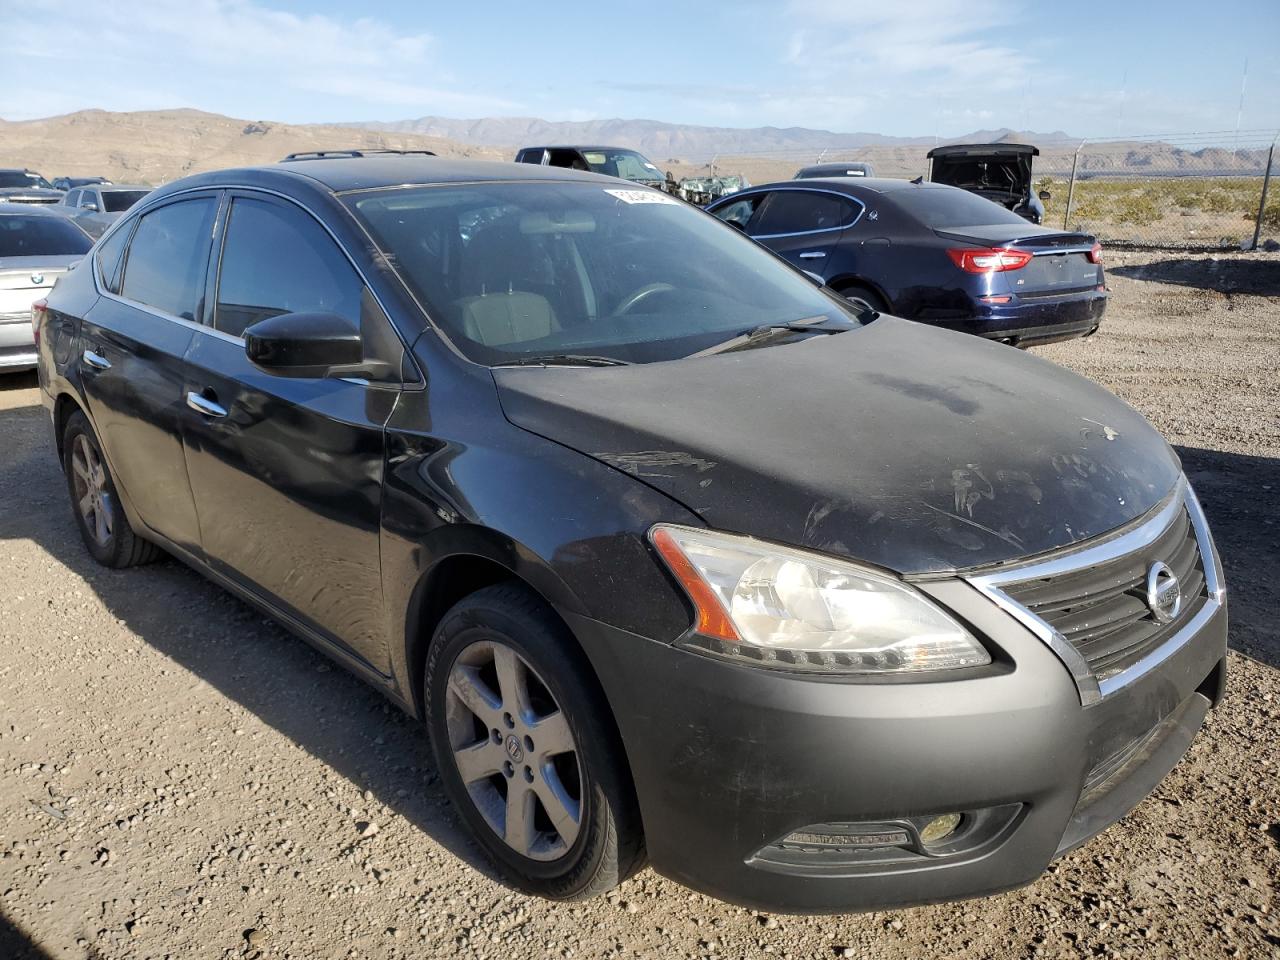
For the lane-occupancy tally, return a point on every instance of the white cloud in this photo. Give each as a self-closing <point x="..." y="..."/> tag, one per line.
<point x="200" y="49"/>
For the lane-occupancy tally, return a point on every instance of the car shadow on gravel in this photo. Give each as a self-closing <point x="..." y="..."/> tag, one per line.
<point x="302" y="694"/>
<point x="16" y="945"/>
<point x="1257" y="277"/>
<point x="1239" y="494"/>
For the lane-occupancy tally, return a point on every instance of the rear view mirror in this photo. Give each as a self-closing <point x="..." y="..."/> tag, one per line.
<point x="303" y="344"/>
<point x="1045" y="195"/>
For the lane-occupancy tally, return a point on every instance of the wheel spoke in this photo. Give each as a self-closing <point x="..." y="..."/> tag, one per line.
<point x="467" y="686"/>
<point x="108" y="514"/>
<point x="552" y="734"/>
<point x="513" y="682"/>
<point x="86" y="504"/>
<point x="80" y="468"/>
<point x="100" y="524"/>
<point x="479" y="761"/>
<point x="564" y="811"/>
<point x="519" y="830"/>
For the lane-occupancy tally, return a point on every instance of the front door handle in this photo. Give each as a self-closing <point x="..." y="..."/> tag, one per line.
<point x="812" y="255"/>
<point x="202" y="404"/>
<point x="96" y="360"/>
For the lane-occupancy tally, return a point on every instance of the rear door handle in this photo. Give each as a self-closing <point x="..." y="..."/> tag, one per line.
<point x="96" y="360"/>
<point x="202" y="404"/>
<point x="812" y="255"/>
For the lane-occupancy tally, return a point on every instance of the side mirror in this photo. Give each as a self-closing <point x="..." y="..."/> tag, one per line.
<point x="90" y="206"/>
<point x="1045" y="195"/>
<point x="303" y="344"/>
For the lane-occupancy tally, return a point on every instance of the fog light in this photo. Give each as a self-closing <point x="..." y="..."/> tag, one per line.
<point x="939" y="828"/>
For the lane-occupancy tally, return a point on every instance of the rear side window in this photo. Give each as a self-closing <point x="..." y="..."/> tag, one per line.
<point x="109" y="257"/>
<point x="941" y="208"/>
<point x="22" y="236"/>
<point x="117" y="201"/>
<point x="800" y="211"/>
<point x="277" y="259"/>
<point x="166" y="265"/>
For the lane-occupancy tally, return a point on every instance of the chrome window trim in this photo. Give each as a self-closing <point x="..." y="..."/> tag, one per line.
<point x="862" y="208"/>
<point x="1147" y="531"/>
<point x="143" y="208"/>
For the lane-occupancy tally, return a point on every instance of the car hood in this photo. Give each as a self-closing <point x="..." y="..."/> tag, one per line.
<point x="912" y="448"/>
<point x="28" y="194"/>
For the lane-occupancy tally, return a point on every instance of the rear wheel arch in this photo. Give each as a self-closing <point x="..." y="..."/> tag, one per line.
<point x="64" y="407"/>
<point x="852" y="283"/>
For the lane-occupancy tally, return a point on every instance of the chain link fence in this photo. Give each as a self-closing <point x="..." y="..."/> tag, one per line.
<point x="1194" y="191"/>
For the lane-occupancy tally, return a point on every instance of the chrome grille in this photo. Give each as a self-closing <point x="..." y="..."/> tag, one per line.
<point x="1089" y="605"/>
<point x="1102" y="610"/>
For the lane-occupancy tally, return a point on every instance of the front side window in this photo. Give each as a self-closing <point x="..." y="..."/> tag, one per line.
<point x="25" y="236"/>
<point x="528" y="269"/>
<point x="801" y="211"/>
<point x="167" y="259"/>
<point x="72" y="199"/>
<point x="276" y="259"/>
<point x="740" y="211"/>
<point x="89" y="200"/>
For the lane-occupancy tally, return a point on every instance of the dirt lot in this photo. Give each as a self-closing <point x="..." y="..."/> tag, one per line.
<point x="180" y="778"/>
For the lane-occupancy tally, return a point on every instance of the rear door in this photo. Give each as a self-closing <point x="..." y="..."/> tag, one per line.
<point x="132" y="343"/>
<point x="804" y="226"/>
<point x="287" y="471"/>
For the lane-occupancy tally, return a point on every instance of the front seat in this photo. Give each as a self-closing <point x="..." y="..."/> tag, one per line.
<point x="498" y="311"/>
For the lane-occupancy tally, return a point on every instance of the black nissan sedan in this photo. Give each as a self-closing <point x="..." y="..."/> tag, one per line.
<point x="679" y="557"/>
<point x="932" y="253"/>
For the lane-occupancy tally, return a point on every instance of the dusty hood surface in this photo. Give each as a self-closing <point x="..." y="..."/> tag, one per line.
<point x="899" y="445"/>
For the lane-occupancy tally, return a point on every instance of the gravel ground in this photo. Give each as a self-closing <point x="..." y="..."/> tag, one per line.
<point x="180" y="778"/>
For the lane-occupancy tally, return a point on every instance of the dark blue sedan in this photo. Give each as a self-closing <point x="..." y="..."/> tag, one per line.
<point x="931" y="253"/>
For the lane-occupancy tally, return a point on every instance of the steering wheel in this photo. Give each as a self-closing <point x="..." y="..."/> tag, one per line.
<point x="648" y="290"/>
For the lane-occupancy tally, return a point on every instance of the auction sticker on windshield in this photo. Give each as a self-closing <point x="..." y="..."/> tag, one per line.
<point x="642" y="196"/>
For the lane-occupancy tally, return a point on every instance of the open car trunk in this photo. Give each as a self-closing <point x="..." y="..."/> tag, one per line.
<point x="996" y="171"/>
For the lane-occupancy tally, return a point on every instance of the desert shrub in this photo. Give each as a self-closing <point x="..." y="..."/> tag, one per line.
<point x="1139" y="208"/>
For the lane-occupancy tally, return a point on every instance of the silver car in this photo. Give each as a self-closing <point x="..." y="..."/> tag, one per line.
<point x="37" y="246"/>
<point x="96" y="206"/>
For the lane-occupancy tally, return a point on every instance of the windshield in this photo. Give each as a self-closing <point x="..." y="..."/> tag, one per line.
<point x="40" y="237"/>
<point x="117" y="201"/>
<point x="10" y="179"/>
<point x="519" y="270"/>
<point x="626" y="164"/>
<point x="944" y="208"/>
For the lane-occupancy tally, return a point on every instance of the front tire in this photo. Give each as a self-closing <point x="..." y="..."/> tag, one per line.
<point x="526" y="747"/>
<point x="96" y="504"/>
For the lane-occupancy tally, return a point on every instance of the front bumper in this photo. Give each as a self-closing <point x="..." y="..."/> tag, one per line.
<point x="17" y="343"/>
<point x="727" y="760"/>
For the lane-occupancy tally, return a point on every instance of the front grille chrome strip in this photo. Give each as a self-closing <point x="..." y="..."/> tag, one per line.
<point x="1090" y="689"/>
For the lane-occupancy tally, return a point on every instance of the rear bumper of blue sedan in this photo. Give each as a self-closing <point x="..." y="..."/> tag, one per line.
<point x="1032" y="320"/>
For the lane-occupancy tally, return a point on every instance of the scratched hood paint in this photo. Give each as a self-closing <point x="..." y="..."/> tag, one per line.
<point x="899" y="445"/>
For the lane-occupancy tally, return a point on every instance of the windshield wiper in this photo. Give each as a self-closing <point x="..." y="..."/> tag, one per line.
<point x="565" y="360"/>
<point x="759" y="336"/>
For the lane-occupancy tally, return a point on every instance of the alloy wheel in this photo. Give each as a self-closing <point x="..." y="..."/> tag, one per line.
<point x="514" y="750"/>
<point x="93" y="496"/>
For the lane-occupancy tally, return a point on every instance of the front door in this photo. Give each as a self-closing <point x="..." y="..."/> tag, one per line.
<point x="132" y="342"/>
<point x="287" y="471"/>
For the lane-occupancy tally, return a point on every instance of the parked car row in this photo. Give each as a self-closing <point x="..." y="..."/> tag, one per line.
<point x="679" y="556"/>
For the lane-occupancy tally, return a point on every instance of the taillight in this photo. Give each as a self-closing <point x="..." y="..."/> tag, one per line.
<point x="38" y="310"/>
<point x="1095" y="253"/>
<point x="988" y="259"/>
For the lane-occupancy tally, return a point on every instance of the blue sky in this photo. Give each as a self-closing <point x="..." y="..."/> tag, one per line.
<point x="922" y="67"/>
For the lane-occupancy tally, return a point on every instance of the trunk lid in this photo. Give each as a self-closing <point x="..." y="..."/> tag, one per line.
<point x="23" y="280"/>
<point x="1060" y="264"/>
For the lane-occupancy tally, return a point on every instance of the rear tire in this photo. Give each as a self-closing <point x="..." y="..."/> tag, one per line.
<point x="547" y="793"/>
<point x="96" y="504"/>
<point x="858" y="294"/>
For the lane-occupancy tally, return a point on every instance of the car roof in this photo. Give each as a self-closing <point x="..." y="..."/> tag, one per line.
<point x="836" y="165"/>
<point x="108" y="187"/>
<point x="845" y="185"/>
<point x="342" y="174"/>
<point x="577" y="146"/>
<point x="984" y="149"/>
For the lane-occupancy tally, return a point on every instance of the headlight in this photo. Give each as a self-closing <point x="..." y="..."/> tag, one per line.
<point x="795" y="610"/>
